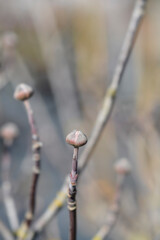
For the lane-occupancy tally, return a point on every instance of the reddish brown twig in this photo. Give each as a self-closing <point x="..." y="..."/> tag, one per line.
<point x="72" y="196"/>
<point x="122" y="168"/>
<point x="23" y="92"/>
<point x="76" y="139"/>
<point x="8" y="133"/>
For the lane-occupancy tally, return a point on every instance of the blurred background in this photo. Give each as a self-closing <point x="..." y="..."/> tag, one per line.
<point x="67" y="50"/>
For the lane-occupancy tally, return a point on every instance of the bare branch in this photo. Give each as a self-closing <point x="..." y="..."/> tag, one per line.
<point x="8" y="133"/>
<point x="103" y="115"/>
<point x="76" y="139"/>
<point x="111" y="93"/>
<point x="23" y="92"/>
<point x="122" y="168"/>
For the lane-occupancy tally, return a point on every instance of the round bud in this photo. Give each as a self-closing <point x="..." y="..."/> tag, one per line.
<point x="122" y="166"/>
<point x="23" y="92"/>
<point x="76" y="138"/>
<point x="9" y="132"/>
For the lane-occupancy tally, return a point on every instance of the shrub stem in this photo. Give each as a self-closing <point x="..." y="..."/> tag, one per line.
<point x="72" y="195"/>
<point x="36" y="147"/>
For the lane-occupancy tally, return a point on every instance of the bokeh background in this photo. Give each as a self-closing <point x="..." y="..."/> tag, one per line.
<point x="67" y="50"/>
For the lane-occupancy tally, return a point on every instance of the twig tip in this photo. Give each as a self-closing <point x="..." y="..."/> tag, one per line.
<point x="23" y="92"/>
<point x="76" y="138"/>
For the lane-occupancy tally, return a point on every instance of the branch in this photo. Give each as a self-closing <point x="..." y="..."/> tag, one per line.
<point x="5" y="233"/>
<point x="122" y="168"/>
<point x="23" y="92"/>
<point x="112" y="91"/>
<point x="76" y="139"/>
<point x="112" y="216"/>
<point x="103" y="115"/>
<point x="8" y="133"/>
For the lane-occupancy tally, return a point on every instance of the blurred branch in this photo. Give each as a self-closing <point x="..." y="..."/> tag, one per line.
<point x="112" y="216"/>
<point x="6" y="188"/>
<point x="103" y="115"/>
<point x="122" y="168"/>
<point x="111" y="93"/>
<point x="76" y="139"/>
<point x="8" y="133"/>
<point x="5" y="233"/>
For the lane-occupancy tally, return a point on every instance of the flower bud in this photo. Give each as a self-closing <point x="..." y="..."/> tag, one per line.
<point x="122" y="166"/>
<point x="76" y="138"/>
<point x="23" y="92"/>
<point x="9" y="132"/>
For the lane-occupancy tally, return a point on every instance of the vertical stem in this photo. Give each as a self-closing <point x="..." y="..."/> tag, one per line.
<point x="36" y="147"/>
<point x="31" y="120"/>
<point x="72" y="196"/>
<point x="73" y="224"/>
<point x="6" y="187"/>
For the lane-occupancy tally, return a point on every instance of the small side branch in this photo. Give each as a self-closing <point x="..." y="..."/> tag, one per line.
<point x="112" y="91"/>
<point x="107" y="106"/>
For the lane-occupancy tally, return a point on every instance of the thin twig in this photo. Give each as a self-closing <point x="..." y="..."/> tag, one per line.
<point x="103" y="115"/>
<point x="24" y="92"/>
<point x="8" y="133"/>
<point x="112" y="216"/>
<point x="36" y="145"/>
<point x="122" y="168"/>
<point x="76" y="139"/>
<point x="4" y="232"/>
<point x="72" y="190"/>
<point x="111" y="93"/>
<point x="6" y="187"/>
